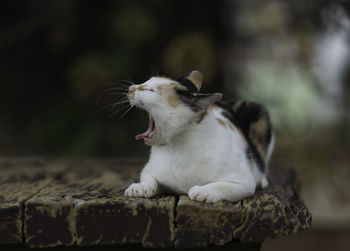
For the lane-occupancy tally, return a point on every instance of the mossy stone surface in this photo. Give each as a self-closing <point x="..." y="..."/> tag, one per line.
<point x="86" y="206"/>
<point x="52" y="203"/>
<point x="271" y="212"/>
<point x="20" y="179"/>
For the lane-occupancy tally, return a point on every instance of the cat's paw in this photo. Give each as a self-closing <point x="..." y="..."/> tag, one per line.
<point x="140" y="190"/>
<point x="201" y="193"/>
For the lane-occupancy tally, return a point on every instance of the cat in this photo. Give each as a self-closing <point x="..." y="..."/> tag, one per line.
<point x="200" y="146"/>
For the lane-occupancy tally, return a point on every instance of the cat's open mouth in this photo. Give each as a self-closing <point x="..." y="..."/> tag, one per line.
<point x="151" y="131"/>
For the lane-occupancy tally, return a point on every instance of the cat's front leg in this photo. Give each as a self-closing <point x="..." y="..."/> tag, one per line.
<point x="146" y="188"/>
<point x="221" y="190"/>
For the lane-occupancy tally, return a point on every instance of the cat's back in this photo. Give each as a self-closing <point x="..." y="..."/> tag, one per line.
<point x="253" y="121"/>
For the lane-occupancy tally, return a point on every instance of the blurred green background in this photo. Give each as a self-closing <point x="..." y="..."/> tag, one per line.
<point x="57" y="58"/>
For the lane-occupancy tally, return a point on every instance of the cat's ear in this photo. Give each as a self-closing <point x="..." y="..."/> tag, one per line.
<point x="204" y="101"/>
<point x="199" y="102"/>
<point x="192" y="81"/>
<point x="196" y="78"/>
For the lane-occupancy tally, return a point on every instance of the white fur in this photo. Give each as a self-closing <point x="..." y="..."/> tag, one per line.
<point x="205" y="160"/>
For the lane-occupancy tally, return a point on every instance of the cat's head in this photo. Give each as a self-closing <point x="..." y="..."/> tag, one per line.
<point x="172" y="105"/>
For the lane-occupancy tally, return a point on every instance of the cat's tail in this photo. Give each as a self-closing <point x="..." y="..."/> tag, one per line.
<point x="256" y="126"/>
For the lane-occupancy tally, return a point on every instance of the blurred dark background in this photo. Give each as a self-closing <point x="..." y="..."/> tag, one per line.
<point x="58" y="57"/>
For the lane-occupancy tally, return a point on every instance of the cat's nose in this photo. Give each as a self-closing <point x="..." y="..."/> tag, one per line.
<point x="131" y="92"/>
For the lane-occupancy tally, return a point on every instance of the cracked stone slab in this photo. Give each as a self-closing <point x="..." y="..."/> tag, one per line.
<point x="81" y="203"/>
<point x="118" y="220"/>
<point x="199" y="224"/>
<point x="87" y="207"/>
<point x="19" y="181"/>
<point x="271" y="212"/>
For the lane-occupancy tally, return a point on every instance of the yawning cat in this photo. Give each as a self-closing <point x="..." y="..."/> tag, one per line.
<point x="207" y="149"/>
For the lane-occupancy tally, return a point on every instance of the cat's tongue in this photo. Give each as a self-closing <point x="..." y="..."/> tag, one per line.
<point x="150" y="131"/>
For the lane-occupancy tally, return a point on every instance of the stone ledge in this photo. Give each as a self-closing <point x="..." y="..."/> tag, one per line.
<point x="80" y="203"/>
<point x="271" y="212"/>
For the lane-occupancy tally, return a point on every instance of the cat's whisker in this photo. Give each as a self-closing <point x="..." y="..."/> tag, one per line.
<point x="118" y="110"/>
<point x="114" y="105"/>
<point x="116" y="83"/>
<point x="121" y="101"/>
<point x="158" y="70"/>
<point x="155" y="70"/>
<point x="108" y="91"/>
<point x="118" y="94"/>
<point x="117" y="88"/>
<point x="120" y="84"/>
<point x="128" y="79"/>
<point x="126" y="112"/>
<point x="128" y="82"/>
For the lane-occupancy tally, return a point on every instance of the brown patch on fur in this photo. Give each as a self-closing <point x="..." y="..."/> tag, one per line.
<point x="161" y="88"/>
<point x="258" y="136"/>
<point x="173" y="100"/>
<point x="141" y="88"/>
<point x="131" y="94"/>
<point x="169" y="92"/>
<point x="231" y="125"/>
<point x="178" y="86"/>
<point x="260" y="129"/>
<point x="227" y="122"/>
<point x="221" y="122"/>
<point x="236" y="105"/>
<point x="196" y="78"/>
